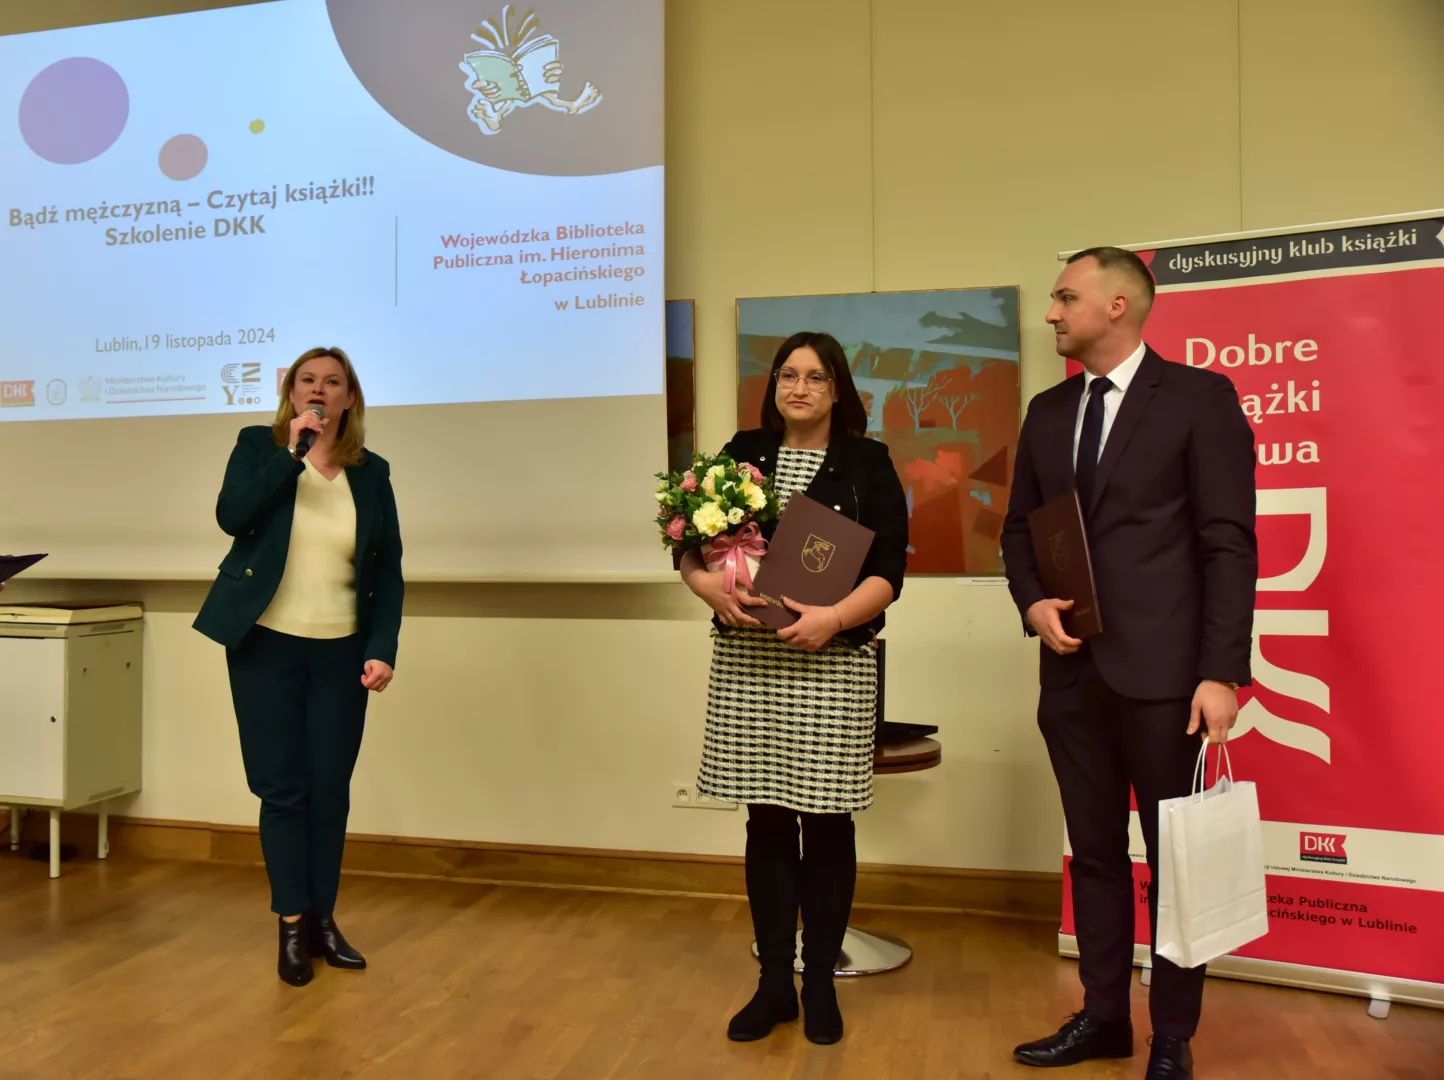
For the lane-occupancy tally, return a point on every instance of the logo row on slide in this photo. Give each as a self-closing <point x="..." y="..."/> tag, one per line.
<point x="241" y="384"/>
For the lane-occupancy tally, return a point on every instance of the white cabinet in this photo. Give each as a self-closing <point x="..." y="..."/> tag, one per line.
<point x="70" y="711"/>
<point x="32" y="719"/>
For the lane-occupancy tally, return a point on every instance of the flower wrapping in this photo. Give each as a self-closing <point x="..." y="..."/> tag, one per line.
<point x="718" y="507"/>
<point x="737" y="556"/>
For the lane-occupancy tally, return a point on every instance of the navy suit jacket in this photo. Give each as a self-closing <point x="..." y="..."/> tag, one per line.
<point x="1171" y="529"/>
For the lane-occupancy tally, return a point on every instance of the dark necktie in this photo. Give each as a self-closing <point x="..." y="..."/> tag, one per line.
<point x="1089" y="442"/>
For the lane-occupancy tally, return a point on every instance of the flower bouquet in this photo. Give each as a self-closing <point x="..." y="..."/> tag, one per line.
<point x="718" y="506"/>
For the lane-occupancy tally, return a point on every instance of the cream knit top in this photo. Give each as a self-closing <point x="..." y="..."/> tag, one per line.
<point x="317" y="594"/>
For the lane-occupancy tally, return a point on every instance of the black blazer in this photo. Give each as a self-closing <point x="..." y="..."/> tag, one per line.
<point x="856" y="478"/>
<point x="1171" y="529"/>
<point x="256" y="506"/>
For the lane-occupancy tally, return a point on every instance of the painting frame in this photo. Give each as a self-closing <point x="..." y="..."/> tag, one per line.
<point x="905" y="348"/>
<point x="679" y="386"/>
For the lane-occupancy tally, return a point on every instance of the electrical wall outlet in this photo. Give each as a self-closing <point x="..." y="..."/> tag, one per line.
<point x="687" y="795"/>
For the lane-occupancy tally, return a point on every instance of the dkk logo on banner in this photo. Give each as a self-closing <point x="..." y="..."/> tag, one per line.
<point x="1323" y="847"/>
<point x="1311" y="503"/>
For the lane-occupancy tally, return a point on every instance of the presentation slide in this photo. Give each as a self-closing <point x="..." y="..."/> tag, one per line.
<point x="466" y="196"/>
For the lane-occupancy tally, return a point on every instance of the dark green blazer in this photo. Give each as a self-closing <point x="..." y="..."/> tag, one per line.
<point x="256" y="506"/>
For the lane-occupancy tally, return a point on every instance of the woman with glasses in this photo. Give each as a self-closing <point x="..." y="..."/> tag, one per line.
<point x="790" y="712"/>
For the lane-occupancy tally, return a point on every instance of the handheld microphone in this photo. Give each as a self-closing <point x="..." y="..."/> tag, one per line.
<point x="307" y="437"/>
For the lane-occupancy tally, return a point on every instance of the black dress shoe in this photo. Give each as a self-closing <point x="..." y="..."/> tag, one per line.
<point x="324" y="939"/>
<point x="822" y="1019"/>
<point x="1170" y="1059"/>
<point x="774" y="1003"/>
<point x="1082" y="1038"/>
<point x="294" y="965"/>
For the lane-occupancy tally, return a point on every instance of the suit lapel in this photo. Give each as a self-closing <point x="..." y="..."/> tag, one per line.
<point x="1135" y="403"/>
<point x="359" y="479"/>
<point x="1067" y="428"/>
<point x="280" y="535"/>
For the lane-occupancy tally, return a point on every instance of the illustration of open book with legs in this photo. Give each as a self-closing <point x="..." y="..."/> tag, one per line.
<point x="517" y="67"/>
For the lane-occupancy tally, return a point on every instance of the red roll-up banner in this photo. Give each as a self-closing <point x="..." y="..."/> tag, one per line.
<point x="1334" y="337"/>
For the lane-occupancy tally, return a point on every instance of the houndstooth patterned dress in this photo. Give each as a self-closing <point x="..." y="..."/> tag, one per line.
<point x="788" y="727"/>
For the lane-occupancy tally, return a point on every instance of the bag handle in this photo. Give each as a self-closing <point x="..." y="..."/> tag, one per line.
<point x="1200" y="770"/>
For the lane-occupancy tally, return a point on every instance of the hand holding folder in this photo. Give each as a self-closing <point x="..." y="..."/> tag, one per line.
<point x="814" y="558"/>
<point x="1065" y="567"/>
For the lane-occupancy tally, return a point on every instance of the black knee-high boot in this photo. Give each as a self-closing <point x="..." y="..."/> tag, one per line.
<point x="773" y="869"/>
<point x="829" y="873"/>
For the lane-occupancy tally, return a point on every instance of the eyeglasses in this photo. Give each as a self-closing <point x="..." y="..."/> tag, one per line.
<point x="816" y="382"/>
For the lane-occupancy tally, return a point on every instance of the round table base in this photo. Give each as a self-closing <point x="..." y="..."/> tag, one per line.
<point x="862" y="953"/>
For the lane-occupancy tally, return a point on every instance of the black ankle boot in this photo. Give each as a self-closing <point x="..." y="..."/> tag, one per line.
<point x="294" y="965"/>
<point x="324" y="939"/>
<point x="774" y="1003"/>
<point x="829" y="874"/>
<point x="772" y="867"/>
<point x="822" y="1019"/>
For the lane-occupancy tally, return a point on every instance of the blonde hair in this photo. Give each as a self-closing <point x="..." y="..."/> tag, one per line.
<point x="351" y="428"/>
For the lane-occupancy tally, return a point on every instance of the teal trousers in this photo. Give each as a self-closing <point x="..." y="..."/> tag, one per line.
<point x="301" y="708"/>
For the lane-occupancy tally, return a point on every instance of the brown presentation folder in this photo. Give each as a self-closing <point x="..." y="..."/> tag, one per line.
<point x="1060" y="547"/>
<point x="814" y="558"/>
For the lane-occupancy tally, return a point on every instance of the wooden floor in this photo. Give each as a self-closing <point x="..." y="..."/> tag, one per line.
<point x="139" y="970"/>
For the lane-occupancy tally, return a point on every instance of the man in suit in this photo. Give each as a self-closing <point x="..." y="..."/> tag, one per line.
<point x="1163" y="461"/>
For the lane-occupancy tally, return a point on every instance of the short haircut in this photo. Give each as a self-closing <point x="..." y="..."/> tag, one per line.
<point x="1126" y="262"/>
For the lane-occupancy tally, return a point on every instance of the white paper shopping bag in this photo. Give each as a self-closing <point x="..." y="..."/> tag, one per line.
<point x="1211" y="893"/>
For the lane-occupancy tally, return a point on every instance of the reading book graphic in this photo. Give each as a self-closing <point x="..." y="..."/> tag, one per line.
<point x="518" y="67"/>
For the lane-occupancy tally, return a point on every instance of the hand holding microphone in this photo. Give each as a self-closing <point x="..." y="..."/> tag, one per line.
<point x="305" y="428"/>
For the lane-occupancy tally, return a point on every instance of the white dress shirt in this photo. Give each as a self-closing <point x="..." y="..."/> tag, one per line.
<point x="1120" y="377"/>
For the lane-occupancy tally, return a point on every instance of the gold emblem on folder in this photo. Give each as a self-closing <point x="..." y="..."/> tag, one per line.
<point x="817" y="553"/>
<point x="1058" y="548"/>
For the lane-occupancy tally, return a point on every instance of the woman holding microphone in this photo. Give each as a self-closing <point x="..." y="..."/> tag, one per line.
<point x="790" y="713"/>
<point x="308" y="606"/>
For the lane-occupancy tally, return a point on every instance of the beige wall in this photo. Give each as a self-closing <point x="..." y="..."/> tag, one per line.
<point x="832" y="146"/>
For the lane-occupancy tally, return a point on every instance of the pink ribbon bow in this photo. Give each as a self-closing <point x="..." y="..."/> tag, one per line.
<point x="730" y="552"/>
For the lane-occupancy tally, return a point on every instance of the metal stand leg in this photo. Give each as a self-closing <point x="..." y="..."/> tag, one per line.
<point x="55" y="843"/>
<point x="15" y="828"/>
<point x="862" y="954"/>
<point x="1379" y="1009"/>
<point x="103" y="840"/>
<point x="868" y="954"/>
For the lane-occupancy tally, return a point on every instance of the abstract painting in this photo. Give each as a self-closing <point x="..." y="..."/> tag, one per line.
<point x="938" y="376"/>
<point x="681" y="385"/>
